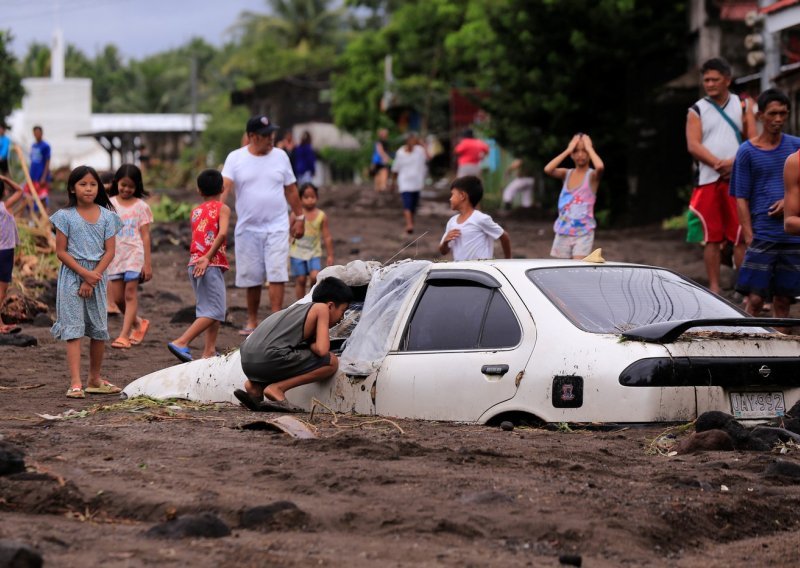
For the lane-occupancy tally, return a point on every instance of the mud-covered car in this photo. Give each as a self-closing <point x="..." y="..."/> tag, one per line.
<point x="548" y="340"/>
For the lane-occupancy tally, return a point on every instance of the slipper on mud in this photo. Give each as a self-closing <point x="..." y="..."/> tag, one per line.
<point x="247" y="401"/>
<point x="184" y="354"/>
<point x="104" y="388"/>
<point x="137" y="335"/>
<point x="75" y="392"/>
<point x="10" y="329"/>
<point x="121" y="343"/>
<point x="245" y="331"/>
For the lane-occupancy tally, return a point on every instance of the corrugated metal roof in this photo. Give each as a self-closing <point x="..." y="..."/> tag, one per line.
<point x="779" y="5"/>
<point x="147" y="122"/>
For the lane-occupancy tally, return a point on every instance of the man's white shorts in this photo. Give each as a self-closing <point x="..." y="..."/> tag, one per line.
<point x="261" y="257"/>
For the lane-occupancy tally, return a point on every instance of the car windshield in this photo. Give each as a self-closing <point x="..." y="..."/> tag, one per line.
<point x="612" y="299"/>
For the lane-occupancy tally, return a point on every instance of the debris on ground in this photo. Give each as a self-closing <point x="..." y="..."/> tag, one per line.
<point x="201" y="525"/>
<point x="16" y="554"/>
<point x="294" y="427"/>
<point x="12" y="460"/>
<point x="280" y="515"/>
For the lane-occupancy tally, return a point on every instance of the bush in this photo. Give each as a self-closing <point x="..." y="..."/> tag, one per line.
<point x="344" y="163"/>
<point x="167" y="209"/>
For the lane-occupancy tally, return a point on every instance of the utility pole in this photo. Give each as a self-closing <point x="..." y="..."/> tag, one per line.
<point x="193" y="94"/>
<point x="772" y="54"/>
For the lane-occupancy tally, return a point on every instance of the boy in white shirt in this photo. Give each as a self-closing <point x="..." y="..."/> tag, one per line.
<point x="471" y="233"/>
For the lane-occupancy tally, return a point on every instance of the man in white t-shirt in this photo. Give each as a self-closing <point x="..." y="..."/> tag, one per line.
<point x="261" y="176"/>
<point x="410" y="166"/>
<point x="471" y="234"/>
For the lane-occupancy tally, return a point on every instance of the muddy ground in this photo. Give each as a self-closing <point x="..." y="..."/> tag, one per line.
<point x="369" y="493"/>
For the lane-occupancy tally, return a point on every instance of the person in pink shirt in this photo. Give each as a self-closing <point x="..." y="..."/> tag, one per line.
<point x="131" y="264"/>
<point x="470" y="151"/>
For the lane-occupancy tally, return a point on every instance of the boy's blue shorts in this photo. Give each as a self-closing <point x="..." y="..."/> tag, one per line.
<point x="302" y="267"/>
<point x="770" y="269"/>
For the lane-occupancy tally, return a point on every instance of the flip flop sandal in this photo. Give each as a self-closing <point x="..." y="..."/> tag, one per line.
<point x="121" y="343"/>
<point x="104" y="388"/>
<point x="184" y="354"/>
<point x="10" y="329"/>
<point x="278" y="406"/>
<point x="75" y="392"/>
<point x="247" y="401"/>
<point x="137" y="335"/>
<point x="245" y="331"/>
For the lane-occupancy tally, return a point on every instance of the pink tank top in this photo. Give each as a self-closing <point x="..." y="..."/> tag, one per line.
<point x="576" y="208"/>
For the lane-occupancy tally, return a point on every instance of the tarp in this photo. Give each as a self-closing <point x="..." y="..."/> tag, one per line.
<point x="371" y="339"/>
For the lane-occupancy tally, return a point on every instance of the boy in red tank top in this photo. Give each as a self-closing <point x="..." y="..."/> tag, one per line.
<point x="207" y="264"/>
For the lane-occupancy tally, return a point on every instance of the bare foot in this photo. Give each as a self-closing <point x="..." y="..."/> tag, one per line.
<point x="274" y="394"/>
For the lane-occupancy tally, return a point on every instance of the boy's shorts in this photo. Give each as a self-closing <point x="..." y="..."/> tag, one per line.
<point x="566" y="246"/>
<point x="267" y="374"/>
<point x="261" y="257"/>
<point x="716" y="208"/>
<point x="210" y="293"/>
<point x="6" y="264"/>
<point x="127" y="276"/>
<point x="770" y="269"/>
<point x="302" y="267"/>
<point x="410" y="200"/>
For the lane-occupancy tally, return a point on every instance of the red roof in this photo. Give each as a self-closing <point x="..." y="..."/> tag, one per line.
<point x="779" y="5"/>
<point x="736" y="10"/>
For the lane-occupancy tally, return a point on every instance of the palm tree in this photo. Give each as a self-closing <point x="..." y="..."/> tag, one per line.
<point x="301" y="25"/>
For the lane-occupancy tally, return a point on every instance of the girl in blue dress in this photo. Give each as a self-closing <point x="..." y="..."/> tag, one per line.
<point x="85" y="231"/>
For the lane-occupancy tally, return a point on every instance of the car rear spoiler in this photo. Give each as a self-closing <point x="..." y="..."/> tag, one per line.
<point x="669" y="331"/>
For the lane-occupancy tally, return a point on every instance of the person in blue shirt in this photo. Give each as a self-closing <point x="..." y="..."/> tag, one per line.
<point x="771" y="266"/>
<point x="5" y="148"/>
<point x="40" y="166"/>
<point x="304" y="160"/>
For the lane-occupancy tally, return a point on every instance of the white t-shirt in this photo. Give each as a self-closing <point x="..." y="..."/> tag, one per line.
<point x="410" y="168"/>
<point x="718" y="136"/>
<point x="259" y="182"/>
<point x="478" y="234"/>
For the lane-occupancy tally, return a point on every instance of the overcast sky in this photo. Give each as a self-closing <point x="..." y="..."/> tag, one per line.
<point x="137" y="27"/>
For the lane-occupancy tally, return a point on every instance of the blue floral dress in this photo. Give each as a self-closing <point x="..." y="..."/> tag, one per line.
<point x="78" y="316"/>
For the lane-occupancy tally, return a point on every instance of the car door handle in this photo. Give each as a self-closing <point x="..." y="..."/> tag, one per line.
<point x="494" y="369"/>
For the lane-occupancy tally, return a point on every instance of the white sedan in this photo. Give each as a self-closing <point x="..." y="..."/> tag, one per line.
<point x="543" y="340"/>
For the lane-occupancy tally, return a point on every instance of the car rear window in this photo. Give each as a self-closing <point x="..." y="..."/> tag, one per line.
<point x="612" y="299"/>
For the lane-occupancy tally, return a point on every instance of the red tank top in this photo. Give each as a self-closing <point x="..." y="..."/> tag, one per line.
<point x="205" y="228"/>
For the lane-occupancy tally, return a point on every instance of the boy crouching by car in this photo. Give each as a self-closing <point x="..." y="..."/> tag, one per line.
<point x="292" y="348"/>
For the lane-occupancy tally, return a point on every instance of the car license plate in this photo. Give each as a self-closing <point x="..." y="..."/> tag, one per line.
<point x="757" y="404"/>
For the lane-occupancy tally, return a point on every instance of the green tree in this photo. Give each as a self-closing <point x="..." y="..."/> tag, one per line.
<point x="555" y="68"/>
<point x="543" y="69"/>
<point x="424" y="67"/>
<point x="36" y="62"/>
<point x="297" y="36"/>
<point x="11" y="90"/>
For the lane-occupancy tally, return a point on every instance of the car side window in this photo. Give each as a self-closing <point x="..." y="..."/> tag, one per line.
<point x="501" y="328"/>
<point x="461" y="315"/>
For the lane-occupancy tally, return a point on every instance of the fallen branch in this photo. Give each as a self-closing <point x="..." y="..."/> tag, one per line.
<point x="23" y="388"/>
<point x="335" y="418"/>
